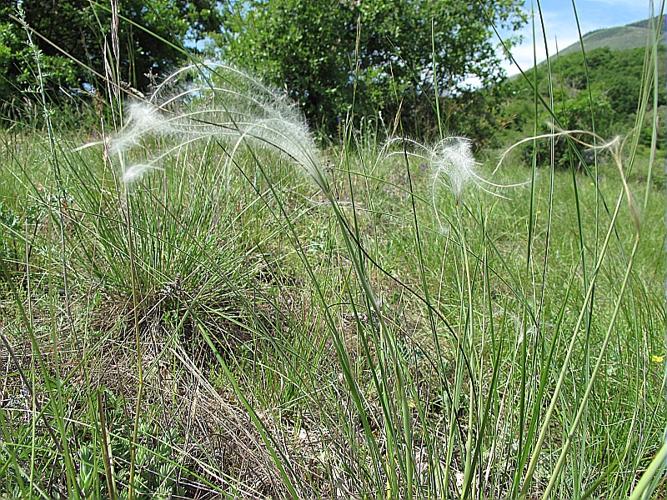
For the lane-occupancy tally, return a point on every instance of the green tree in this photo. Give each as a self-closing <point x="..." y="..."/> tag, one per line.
<point x="81" y="29"/>
<point x="574" y="113"/>
<point x="377" y="53"/>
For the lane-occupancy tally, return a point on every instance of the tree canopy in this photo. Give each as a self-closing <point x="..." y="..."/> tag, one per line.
<point x="380" y="54"/>
<point x="376" y="56"/>
<point x="67" y="29"/>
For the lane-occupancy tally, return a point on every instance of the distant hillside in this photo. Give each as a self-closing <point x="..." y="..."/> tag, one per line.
<point x="631" y="36"/>
<point x="602" y="93"/>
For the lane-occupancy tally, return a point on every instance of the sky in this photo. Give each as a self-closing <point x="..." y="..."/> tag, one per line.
<point x="561" y="26"/>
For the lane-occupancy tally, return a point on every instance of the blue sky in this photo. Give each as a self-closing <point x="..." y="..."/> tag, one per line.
<point x="561" y="26"/>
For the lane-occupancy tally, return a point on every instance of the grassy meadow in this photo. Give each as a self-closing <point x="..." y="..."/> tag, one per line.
<point x="237" y="310"/>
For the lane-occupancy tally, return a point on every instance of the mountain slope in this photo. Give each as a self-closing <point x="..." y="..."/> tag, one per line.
<point x="630" y="36"/>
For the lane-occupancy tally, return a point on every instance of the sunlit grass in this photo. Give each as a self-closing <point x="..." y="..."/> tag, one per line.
<point x="222" y="324"/>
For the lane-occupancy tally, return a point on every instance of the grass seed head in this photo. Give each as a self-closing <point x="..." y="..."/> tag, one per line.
<point x="221" y="103"/>
<point x="137" y="171"/>
<point x="142" y="119"/>
<point x="453" y="158"/>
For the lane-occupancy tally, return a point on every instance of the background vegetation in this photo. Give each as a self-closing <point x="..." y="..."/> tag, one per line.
<point x="76" y="44"/>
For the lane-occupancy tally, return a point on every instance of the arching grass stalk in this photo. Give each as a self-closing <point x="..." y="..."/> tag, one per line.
<point x="451" y="159"/>
<point x="616" y="150"/>
<point x="453" y="165"/>
<point x="577" y="472"/>
<point x="467" y="301"/>
<point x="339" y="344"/>
<point x="555" y="473"/>
<point x="440" y="486"/>
<point x="136" y="301"/>
<point x="656" y="469"/>
<point x="395" y="458"/>
<point x="652" y="74"/>
<point x="625" y="193"/>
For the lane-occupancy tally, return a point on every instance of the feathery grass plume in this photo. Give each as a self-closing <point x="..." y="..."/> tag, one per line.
<point x="289" y="136"/>
<point x="135" y="172"/>
<point x="218" y="101"/>
<point x="142" y="119"/>
<point x="452" y="158"/>
<point x="258" y="114"/>
<point x="614" y="146"/>
<point x="452" y="163"/>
